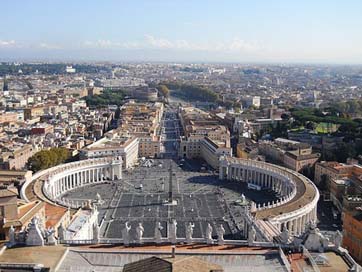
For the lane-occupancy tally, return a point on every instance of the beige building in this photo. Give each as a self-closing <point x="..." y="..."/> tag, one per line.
<point x="15" y="157"/>
<point x="341" y="180"/>
<point x="31" y="113"/>
<point x="292" y="154"/>
<point x="297" y="161"/>
<point x="204" y="137"/>
<point x="114" y="145"/>
<point x="8" y="177"/>
<point x="335" y="170"/>
<point x="143" y="120"/>
<point x="136" y="136"/>
<point x="8" y="117"/>
<point x="16" y="214"/>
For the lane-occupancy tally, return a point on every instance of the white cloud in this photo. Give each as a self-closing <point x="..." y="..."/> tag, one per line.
<point x="152" y="42"/>
<point x="158" y="42"/>
<point x="9" y="43"/>
<point x="108" y="44"/>
<point x="236" y="45"/>
<point x="49" y="46"/>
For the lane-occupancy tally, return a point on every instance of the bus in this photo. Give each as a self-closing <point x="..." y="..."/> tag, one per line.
<point x="254" y="187"/>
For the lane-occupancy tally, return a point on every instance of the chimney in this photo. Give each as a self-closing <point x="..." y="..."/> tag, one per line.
<point x="173" y="252"/>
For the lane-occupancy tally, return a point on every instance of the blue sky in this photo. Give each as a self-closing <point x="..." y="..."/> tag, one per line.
<point x="183" y="30"/>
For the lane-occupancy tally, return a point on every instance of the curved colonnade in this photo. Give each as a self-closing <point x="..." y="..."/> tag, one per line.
<point x="298" y="196"/>
<point x="65" y="177"/>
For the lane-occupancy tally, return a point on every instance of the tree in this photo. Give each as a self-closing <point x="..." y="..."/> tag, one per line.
<point x="285" y="116"/>
<point x="108" y="97"/>
<point x="48" y="158"/>
<point x="192" y="92"/>
<point x="164" y="90"/>
<point x="311" y="125"/>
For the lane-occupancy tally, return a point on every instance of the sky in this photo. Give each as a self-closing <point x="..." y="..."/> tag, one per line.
<point x="282" y="31"/>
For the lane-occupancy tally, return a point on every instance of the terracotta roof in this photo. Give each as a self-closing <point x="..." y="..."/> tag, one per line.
<point x="22" y="210"/>
<point x="53" y="214"/>
<point x="26" y="212"/>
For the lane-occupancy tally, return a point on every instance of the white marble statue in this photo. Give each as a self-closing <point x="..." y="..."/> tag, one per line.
<point x="173" y="231"/>
<point x="125" y="233"/>
<point x="220" y="235"/>
<point x="315" y="240"/>
<point x="35" y="236"/>
<point x="139" y="233"/>
<point x="337" y="239"/>
<point x="158" y="234"/>
<point x="12" y="241"/>
<point x="99" y="199"/>
<point x="251" y="235"/>
<point x="189" y="232"/>
<point x="284" y="236"/>
<point x="243" y="198"/>
<point x="209" y="234"/>
<point x="96" y="232"/>
<point x="50" y="237"/>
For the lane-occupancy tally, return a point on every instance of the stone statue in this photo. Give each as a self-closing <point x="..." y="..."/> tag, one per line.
<point x="312" y="225"/>
<point x="158" y="234"/>
<point x="50" y="237"/>
<point x="96" y="232"/>
<point x="35" y="236"/>
<point x="189" y="232"/>
<point x="12" y="241"/>
<point x="220" y="235"/>
<point x="209" y="234"/>
<point x="337" y="239"/>
<point x="284" y="236"/>
<point x="99" y="199"/>
<point x="125" y="233"/>
<point x="61" y="232"/>
<point x="139" y="233"/>
<point x="251" y="235"/>
<point x="173" y="231"/>
<point x="315" y="240"/>
<point x="253" y="206"/>
<point x="243" y="199"/>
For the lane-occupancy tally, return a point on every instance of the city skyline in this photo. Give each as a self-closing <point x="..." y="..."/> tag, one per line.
<point x="202" y="31"/>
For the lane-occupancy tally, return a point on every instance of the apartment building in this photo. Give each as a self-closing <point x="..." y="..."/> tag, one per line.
<point x="15" y="156"/>
<point x="292" y="154"/>
<point x="143" y="120"/>
<point x="352" y="226"/>
<point x="334" y="170"/>
<point x="341" y="179"/>
<point x="113" y="144"/>
<point x="30" y="113"/>
<point x="204" y="137"/>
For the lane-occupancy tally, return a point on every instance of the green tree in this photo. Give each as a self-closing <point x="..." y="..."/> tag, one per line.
<point x="48" y="158"/>
<point x="164" y="90"/>
<point x="108" y="97"/>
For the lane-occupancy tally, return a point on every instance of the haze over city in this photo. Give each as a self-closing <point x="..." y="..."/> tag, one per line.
<point x="189" y="31"/>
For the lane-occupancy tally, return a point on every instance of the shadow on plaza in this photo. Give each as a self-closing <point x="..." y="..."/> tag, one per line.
<point x="235" y="186"/>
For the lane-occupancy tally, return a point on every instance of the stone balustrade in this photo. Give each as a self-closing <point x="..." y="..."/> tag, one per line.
<point x="298" y="196"/>
<point x="65" y="177"/>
